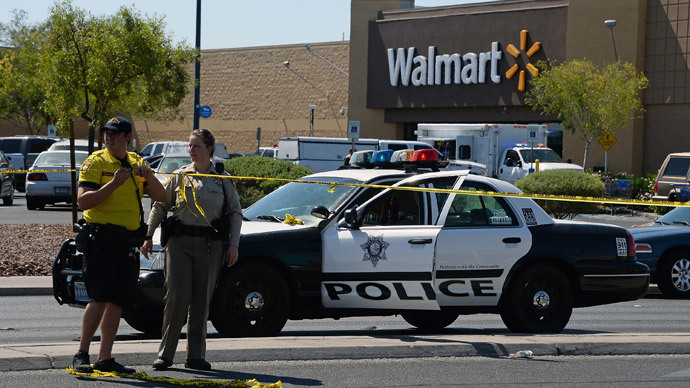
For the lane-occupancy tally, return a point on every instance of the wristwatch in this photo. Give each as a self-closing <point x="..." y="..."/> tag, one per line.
<point x="148" y="238"/>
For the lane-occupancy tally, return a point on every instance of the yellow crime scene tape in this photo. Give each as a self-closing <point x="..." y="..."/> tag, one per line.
<point x="143" y="376"/>
<point x="547" y="197"/>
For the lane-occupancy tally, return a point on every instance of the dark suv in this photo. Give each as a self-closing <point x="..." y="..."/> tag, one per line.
<point x="23" y="150"/>
<point x="672" y="181"/>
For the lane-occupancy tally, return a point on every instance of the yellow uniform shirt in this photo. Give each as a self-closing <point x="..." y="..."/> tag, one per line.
<point x="120" y="207"/>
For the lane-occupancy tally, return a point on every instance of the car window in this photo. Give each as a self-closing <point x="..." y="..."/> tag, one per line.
<point x="147" y="150"/>
<point x="59" y="159"/>
<point x="11" y="146"/>
<point x="39" y="145"/>
<point x="544" y="155"/>
<point x="158" y="149"/>
<point x="297" y="199"/>
<point x="479" y="210"/>
<point x="172" y="164"/>
<point x="397" y="207"/>
<point x="677" y="167"/>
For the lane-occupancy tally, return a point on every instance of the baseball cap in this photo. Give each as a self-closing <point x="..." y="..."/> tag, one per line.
<point x="118" y="124"/>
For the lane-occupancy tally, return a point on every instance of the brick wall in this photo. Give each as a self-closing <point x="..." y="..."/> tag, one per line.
<point x="250" y="87"/>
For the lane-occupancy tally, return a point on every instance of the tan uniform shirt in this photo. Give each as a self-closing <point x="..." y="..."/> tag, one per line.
<point x="207" y="193"/>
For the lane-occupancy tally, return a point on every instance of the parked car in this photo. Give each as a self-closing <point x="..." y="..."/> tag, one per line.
<point x="44" y="188"/>
<point x="164" y="147"/>
<point x="171" y="162"/>
<point x="7" y="182"/>
<point x="336" y="244"/>
<point x="268" y="152"/>
<point x="79" y="145"/>
<point x="23" y="150"/>
<point x="672" y="180"/>
<point x="665" y="248"/>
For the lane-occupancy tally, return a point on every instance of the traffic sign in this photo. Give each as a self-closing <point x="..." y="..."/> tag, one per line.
<point x="607" y="140"/>
<point x="532" y="138"/>
<point x="205" y="111"/>
<point x="353" y="130"/>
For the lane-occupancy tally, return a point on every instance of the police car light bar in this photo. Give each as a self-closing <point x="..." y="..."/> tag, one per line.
<point x="362" y="159"/>
<point x="401" y="156"/>
<point x="382" y="157"/>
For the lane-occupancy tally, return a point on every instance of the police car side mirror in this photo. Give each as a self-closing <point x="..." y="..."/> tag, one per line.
<point x="320" y="212"/>
<point x="220" y="167"/>
<point x="351" y="217"/>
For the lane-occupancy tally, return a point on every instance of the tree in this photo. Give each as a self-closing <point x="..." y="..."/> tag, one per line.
<point x="95" y="67"/>
<point x="588" y="100"/>
<point x="21" y="94"/>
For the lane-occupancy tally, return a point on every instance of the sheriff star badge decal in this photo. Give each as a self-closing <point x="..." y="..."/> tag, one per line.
<point x="374" y="249"/>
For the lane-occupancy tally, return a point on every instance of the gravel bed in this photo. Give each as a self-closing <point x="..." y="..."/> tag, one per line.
<point x="29" y="250"/>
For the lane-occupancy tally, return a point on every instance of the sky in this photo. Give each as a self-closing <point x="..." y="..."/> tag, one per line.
<point x="229" y="23"/>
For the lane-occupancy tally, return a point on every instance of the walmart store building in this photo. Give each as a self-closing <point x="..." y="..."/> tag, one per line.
<point x="394" y="85"/>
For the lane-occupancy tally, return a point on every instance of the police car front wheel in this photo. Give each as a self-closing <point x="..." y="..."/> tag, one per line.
<point x="251" y="300"/>
<point x="538" y="300"/>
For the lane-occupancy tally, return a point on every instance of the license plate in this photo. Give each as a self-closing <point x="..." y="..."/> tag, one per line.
<point x="62" y="190"/>
<point x="80" y="294"/>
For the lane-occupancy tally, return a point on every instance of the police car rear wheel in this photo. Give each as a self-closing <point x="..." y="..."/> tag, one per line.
<point x="538" y="300"/>
<point x="430" y="320"/>
<point x="251" y="301"/>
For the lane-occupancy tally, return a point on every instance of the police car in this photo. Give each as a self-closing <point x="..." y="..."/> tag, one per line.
<point x="427" y="246"/>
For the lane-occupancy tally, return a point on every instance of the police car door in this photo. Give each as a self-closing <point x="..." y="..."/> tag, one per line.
<point x="385" y="263"/>
<point x="480" y="240"/>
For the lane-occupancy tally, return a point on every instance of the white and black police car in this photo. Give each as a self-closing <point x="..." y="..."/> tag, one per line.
<point x="433" y="246"/>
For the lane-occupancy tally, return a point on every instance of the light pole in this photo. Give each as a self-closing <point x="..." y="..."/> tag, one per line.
<point x="308" y="47"/>
<point x="328" y="100"/>
<point x="197" y="65"/>
<point x="610" y="24"/>
<point x="311" y="121"/>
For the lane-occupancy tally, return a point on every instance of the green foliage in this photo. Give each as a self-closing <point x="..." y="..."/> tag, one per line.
<point x="251" y="190"/>
<point x="21" y="93"/>
<point x="643" y="188"/>
<point x="96" y="67"/>
<point x="563" y="182"/>
<point x="588" y="100"/>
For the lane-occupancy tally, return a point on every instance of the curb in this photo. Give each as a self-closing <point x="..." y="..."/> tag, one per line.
<point x="143" y="353"/>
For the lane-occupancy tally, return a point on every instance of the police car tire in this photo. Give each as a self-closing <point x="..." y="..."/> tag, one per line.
<point x="228" y="312"/>
<point x="152" y="326"/>
<point x="670" y="264"/>
<point x="430" y="321"/>
<point x="518" y="311"/>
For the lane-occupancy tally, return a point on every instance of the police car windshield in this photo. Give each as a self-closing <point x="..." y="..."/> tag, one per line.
<point x="545" y="155"/>
<point x="298" y="199"/>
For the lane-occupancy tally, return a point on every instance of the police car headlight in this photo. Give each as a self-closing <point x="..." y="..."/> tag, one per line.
<point x="156" y="262"/>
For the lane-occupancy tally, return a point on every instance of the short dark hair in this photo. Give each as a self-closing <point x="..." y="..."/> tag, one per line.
<point x="207" y="137"/>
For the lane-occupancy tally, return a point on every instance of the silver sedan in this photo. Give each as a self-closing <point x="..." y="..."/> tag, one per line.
<point x="49" y="179"/>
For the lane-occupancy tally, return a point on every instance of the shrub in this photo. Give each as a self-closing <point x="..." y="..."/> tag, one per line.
<point x="563" y="182"/>
<point x="251" y="190"/>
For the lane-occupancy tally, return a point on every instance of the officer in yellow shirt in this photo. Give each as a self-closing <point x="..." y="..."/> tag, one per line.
<point x="111" y="184"/>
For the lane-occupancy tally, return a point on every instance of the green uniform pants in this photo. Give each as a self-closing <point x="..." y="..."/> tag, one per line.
<point x="191" y="270"/>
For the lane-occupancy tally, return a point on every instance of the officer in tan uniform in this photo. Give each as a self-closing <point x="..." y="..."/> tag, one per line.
<point x="195" y="250"/>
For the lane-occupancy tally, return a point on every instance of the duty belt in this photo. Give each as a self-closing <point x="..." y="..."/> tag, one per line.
<point x="191" y="230"/>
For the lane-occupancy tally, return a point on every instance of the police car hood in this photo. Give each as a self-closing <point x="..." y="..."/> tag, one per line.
<point x="256" y="227"/>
